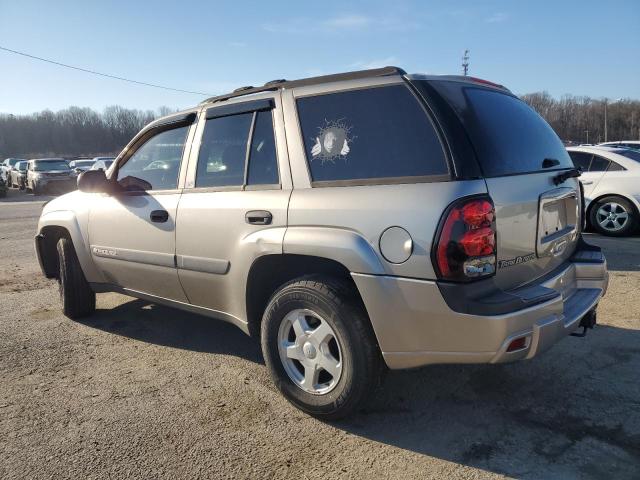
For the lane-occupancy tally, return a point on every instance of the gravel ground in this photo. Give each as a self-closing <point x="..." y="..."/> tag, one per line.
<point x="143" y="391"/>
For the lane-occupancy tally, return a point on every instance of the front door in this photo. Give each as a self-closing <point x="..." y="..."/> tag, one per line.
<point x="132" y="232"/>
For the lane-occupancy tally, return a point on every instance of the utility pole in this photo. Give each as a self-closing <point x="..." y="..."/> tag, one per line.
<point x="605" y="118"/>
<point x="465" y="63"/>
<point x="587" y="132"/>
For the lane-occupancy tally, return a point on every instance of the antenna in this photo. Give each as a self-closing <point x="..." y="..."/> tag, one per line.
<point x="465" y="63"/>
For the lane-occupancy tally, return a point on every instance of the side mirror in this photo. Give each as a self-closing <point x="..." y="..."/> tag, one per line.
<point x="93" y="181"/>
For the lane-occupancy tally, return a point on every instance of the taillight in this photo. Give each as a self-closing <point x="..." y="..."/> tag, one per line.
<point x="465" y="248"/>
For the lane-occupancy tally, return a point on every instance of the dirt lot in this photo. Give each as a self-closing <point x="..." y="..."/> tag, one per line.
<point x="141" y="391"/>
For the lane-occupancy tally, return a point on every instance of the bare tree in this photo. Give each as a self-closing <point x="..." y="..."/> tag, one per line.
<point x="73" y="131"/>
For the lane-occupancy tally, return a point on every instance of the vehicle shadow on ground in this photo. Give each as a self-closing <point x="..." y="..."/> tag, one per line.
<point x="572" y="413"/>
<point x="623" y="254"/>
<point x="151" y="323"/>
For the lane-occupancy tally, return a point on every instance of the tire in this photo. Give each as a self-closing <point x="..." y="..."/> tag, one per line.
<point x="614" y="216"/>
<point x="35" y="190"/>
<point x="352" y="352"/>
<point x="78" y="300"/>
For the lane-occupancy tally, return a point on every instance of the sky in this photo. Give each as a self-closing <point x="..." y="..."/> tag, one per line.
<point x="576" y="47"/>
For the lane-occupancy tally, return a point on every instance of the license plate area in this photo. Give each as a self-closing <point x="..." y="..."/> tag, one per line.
<point x="558" y="218"/>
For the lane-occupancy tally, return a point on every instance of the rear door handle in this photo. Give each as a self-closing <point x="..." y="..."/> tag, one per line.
<point x="159" y="216"/>
<point x="258" y="217"/>
<point x="588" y="182"/>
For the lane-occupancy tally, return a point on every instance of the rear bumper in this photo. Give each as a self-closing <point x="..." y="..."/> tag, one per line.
<point x="416" y="326"/>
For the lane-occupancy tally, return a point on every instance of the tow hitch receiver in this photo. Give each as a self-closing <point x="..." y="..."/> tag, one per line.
<point x="588" y="321"/>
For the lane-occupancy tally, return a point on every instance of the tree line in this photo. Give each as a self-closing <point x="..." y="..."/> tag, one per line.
<point x="79" y="131"/>
<point x="72" y="132"/>
<point x="582" y="119"/>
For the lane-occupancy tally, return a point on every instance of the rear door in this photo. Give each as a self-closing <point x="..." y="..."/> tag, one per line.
<point x="593" y="168"/>
<point x="520" y="157"/>
<point x="234" y="206"/>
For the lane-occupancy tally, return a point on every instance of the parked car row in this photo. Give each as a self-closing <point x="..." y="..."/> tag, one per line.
<point x="46" y="174"/>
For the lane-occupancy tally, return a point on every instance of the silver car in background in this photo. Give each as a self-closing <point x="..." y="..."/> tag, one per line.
<point x="18" y="175"/>
<point x="102" y="163"/>
<point x="47" y="174"/>
<point x="351" y="222"/>
<point x="80" y="165"/>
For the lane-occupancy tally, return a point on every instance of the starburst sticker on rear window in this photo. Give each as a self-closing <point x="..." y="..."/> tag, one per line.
<point x="332" y="142"/>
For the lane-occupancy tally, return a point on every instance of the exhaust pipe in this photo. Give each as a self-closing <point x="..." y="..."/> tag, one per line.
<point x="586" y="322"/>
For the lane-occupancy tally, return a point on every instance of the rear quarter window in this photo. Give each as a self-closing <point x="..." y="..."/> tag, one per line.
<point x="509" y="137"/>
<point x="375" y="133"/>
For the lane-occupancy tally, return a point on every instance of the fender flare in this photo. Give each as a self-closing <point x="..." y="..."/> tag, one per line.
<point x="68" y="221"/>
<point x="346" y="247"/>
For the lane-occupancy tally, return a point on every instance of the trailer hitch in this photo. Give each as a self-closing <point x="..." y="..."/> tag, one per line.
<point x="586" y="322"/>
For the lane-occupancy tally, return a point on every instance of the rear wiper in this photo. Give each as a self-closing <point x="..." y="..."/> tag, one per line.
<point x="561" y="177"/>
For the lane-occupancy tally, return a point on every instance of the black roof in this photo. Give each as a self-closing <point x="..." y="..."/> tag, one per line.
<point x="281" y="83"/>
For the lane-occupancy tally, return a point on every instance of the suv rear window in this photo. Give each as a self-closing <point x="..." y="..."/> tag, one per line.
<point x="373" y="133"/>
<point x="509" y="136"/>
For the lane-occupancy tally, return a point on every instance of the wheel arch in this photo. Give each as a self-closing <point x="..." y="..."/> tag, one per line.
<point x="53" y="226"/>
<point x="592" y="203"/>
<point x="269" y="272"/>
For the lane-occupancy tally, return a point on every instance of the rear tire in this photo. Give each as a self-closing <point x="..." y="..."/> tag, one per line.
<point x="613" y="216"/>
<point x="78" y="300"/>
<point x="336" y="333"/>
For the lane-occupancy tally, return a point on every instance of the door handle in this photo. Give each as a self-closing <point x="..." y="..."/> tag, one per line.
<point x="588" y="182"/>
<point x="159" y="216"/>
<point x="258" y="217"/>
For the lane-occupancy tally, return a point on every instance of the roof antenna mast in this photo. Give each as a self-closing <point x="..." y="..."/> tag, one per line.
<point x="465" y="63"/>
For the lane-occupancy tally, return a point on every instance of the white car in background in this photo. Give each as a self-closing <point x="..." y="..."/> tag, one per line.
<point x="623" y="143"/>
<point x="611" y="180"/>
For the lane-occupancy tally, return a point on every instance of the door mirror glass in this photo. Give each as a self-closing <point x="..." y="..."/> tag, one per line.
<point x="93" y="181"/>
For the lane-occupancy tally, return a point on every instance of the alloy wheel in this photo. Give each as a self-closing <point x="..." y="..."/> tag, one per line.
<point x="310" y="351"/>
<point x="612" y="216"/>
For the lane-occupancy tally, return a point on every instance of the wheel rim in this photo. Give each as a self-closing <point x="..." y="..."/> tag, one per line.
<point x="310" y="351"/>
<point x="612" y="216"/>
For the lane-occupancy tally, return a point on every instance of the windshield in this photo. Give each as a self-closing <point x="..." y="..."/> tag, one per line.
<point x="50" y="165"/>
<point x="83" y="163"/>
<point x="509" y="137"/>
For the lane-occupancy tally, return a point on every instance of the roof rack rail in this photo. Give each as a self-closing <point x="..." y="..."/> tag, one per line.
<point x="275" y="84"/>
<point x="243" y="89"/>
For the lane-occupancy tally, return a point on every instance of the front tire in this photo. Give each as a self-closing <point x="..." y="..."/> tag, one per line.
<point x="78" y="300"/>
<point x="614" y="216"/>
<point x="319" y="347"/>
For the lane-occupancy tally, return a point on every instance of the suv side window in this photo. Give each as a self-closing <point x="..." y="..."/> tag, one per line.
<point x="373" y="133"/>
<point x="599" y="164"/>
<point x="263" y="162"/>
<point x="581" y="160"/>
<point x="223" y="151"/>
<point x="155" y="164"/>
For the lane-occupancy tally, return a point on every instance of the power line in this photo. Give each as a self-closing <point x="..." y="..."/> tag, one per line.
<point x="99" y="73"/>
